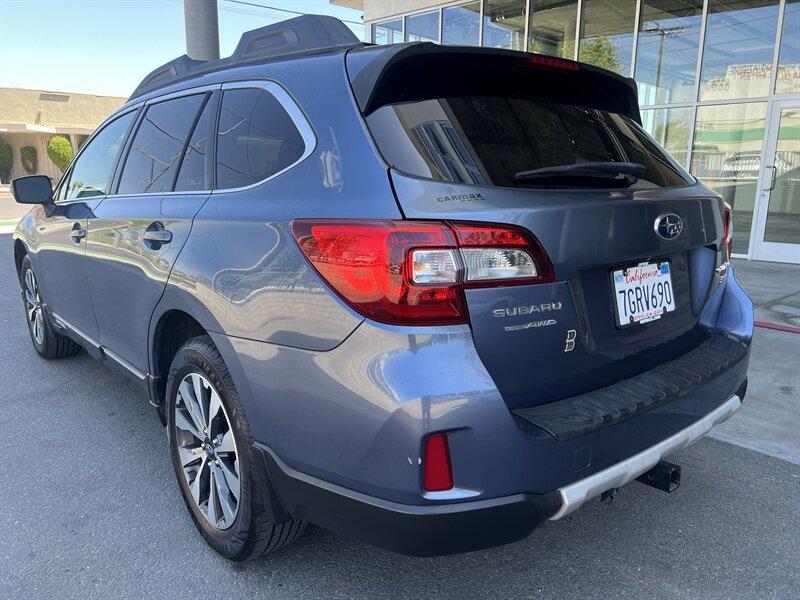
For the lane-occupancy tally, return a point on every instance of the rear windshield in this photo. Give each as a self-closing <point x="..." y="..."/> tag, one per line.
<point x="488" y="140"/>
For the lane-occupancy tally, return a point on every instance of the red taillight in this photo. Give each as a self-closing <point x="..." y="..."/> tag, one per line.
<point x="437" y="474"/>
<point x="415" y="272"/>
<point x="727" y="236"/>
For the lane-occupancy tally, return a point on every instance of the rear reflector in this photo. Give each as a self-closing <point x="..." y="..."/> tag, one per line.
<point x="415" y="272"/>
<point x="437" y="474"/>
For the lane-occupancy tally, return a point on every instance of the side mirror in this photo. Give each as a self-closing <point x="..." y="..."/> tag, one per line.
<point x="33" y="189"/>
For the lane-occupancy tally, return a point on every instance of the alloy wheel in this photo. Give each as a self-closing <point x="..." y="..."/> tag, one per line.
<point x="207" y="450"/>
<point x="33" y="306"/>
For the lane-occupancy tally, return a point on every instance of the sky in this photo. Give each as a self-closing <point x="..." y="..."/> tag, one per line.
<point x="106" y="47"/>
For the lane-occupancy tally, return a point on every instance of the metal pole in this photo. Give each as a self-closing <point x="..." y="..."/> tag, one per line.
<point x="202" y="29"/>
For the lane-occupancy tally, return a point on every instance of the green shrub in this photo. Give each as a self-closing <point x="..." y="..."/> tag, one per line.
<point x="30" y="159"/>
<point x="6" y="162"/>
<point x="60" y="151"/>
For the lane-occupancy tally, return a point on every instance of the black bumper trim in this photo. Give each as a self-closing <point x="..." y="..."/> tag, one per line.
<point x="590" y="412"/>
<point x="413" y="530"/>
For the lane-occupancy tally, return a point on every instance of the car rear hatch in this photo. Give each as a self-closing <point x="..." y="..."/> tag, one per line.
<point x="476" y="135"/>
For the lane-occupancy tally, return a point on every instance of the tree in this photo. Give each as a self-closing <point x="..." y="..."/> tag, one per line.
<point x="30" y="159"/>
<point x="60" y="151"/>
<point x="598" y="51"/>
<point x="6" y="161"/>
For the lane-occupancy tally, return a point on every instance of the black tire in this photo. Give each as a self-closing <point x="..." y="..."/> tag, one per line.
<point x="251" y="533"/>
<point x="51" y="344"/>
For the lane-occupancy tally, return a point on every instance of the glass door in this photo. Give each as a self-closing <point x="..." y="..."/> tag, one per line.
<point x="777" y="224"/>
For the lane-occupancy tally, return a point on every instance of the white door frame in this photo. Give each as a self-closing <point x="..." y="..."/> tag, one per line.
<point x="761" y="250"/>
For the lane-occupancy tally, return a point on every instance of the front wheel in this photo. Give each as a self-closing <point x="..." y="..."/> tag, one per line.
<point x="210" y="445"/>
<point x="46" y="342"/>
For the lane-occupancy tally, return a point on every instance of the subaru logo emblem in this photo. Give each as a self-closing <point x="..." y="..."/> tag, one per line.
<point x="668" y="226"/>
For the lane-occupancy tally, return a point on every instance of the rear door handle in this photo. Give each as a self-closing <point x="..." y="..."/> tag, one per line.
<point x="157" y="236"/>
<point x="77" y="233"/>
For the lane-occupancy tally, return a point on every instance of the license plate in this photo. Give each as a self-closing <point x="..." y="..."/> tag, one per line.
<point x="643" y="293"/>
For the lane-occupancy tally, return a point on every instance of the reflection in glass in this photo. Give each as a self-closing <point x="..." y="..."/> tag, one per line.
<point x="504" y="24"/>
<point x="388" y="32"/>
<point x="552" y="27"/>
<point x="737" y="57"/>
<point x="607" y="34"/>
<point x="726" y="156"/>
<point x="461" y="24"/>
<point x="783" y="217"/>
<point x="789" y="57"/>
<point x="423" y="28"/>
<point x="670" y="127"/>
<point x="666" y="55"/>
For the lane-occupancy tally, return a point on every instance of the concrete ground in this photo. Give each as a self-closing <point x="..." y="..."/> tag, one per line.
<point x="90" y="507"/>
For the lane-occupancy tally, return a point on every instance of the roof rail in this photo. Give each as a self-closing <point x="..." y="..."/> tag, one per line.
<point x="299" y="34"/>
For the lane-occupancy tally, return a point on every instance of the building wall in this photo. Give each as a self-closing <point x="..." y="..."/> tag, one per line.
<point x="381" y="9"/>
<point x="56" y="110"/>
<point x="32" y="117"/>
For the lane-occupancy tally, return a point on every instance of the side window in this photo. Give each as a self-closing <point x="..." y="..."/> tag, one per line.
<point x="61" y="192"/>
<point x="192" y="172"/>
<point x="92" y="171"/>
<point x="158" y="145"/>
<point x="256" y="138"/>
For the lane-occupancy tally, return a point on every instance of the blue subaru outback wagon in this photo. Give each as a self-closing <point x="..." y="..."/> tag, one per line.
<point x="428" y="297"/>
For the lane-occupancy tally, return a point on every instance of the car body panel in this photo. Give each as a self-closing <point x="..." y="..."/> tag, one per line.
<point x="60" y="261"/>
<point x="127" y="274"/>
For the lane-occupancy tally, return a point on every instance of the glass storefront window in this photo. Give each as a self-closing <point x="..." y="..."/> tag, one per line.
<point x="552" y="27"/>
<point x="738" y="51"/>
<point x="423" y="28"/>
<point x="504" y="24"/>
<point x="461" y="25"/>
<point x="607" y="34"/>
<point x="726" y="156"/>
<point x="666" y="54"/>
<point x="783" y="216"/>
<point x="789" y="57"/>
<point x="670" y="127"/>
<point x="388" y="32"/>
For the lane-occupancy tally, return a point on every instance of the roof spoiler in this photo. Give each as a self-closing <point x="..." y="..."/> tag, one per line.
<point x="300" y="34"/>
<point x="382" y="75"/>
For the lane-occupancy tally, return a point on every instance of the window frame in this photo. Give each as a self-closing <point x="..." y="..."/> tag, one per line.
<point x="292" y="108"/>
<point x="67" y="177"/>
<point x="205" y="89"/>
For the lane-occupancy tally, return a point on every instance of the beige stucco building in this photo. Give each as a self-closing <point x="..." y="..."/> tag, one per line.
<point x="32" y="117"/>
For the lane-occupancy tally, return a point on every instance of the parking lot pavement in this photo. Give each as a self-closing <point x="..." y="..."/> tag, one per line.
<point x="90" y="509"/>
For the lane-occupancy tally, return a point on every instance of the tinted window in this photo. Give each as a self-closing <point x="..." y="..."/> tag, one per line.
<point x="91" y="173"/>
<point x="192" y="172"/>
<point x="256" y="138"/>
<point x="487" y="140"/>
<point x="158" y="144"/>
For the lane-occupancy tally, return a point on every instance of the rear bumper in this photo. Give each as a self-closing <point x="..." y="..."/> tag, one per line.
<point x="440" y="529"/>
<point x="413" y="530"/>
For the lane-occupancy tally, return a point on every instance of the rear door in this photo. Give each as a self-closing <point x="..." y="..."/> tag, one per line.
<point x="634" y="258"/>
<point x="136" y="234"/>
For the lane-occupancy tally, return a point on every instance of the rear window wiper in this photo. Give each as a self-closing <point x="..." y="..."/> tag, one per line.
<point x="617" y="174"/>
